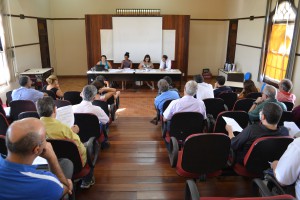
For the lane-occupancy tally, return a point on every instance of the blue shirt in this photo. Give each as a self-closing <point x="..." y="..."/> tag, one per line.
<point x="24" y="93"/>
<point x="161" y="99"/>
<point x="18" y="181"/>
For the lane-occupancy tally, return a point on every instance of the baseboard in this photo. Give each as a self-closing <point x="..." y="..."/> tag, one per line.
<point x="72" y="76"/>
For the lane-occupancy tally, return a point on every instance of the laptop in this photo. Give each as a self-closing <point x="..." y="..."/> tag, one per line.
<point x="100" y="68"/>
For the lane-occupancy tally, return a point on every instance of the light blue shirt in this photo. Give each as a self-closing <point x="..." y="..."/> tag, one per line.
<point x="161" y="99"/>
<point x="24" y="93"/>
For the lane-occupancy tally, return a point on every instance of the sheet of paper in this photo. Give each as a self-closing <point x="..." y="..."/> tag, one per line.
<point x="65" y="115"/>
<point x="235" y="126"/>
<point x="7" y="111"/>
<point x="40" y="161"/>
<point x="292" y="127"/>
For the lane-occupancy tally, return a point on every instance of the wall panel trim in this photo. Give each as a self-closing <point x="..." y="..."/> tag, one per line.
<point x="246" y="45"/>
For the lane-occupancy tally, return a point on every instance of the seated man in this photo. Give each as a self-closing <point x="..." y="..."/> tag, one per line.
<point x="287" y="169"/>
<point x="25" y="92"/>
<point x="88" y="95"/>
<point x="268" y="95"/>
<point x="165" y="95"/>
<point x="284" y="91"/>
<point x="269" y="117"/>
<point x="19" y="179"/>
<point x="220" y="87"/>
<point x="56" y="130"/>
<point x="187" y="103"/>
<point x="205" y="90"/>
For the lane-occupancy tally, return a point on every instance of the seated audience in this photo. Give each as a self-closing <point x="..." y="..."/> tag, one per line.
<point x="269" y="117"/>
<point x="187" y="103"/>
<point x="165" y="63"/>
<point x="249" y="87"/>
<point x="287" y="169"/>
<point x="19" y="179"/>
<point x="268" y="95"/>
<point x="57" y="130"/>
<point x="220" y="87"/>
<point x="284" y="91"/>
<point x="88" y="95"/>
<point x="205" y="90"/>
<point x="25" y="92"/>
<point x="165" y="95"/>
<point x="104" y="93"/>
<point x="54" y="86"/>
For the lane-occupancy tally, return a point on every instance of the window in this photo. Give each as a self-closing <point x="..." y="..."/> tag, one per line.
<point x="280" y="37"/>
<point x="4" y="75"/>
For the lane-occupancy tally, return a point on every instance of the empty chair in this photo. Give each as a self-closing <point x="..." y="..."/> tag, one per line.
<point x="3" y="124"/>
<point x="201" y="155"/>
<point x="214" y="106"/>
<point x="254" y="95"/>
<point x="243" y="104"/>
<point x="286" y="116"/>
<point x="229" y="99"/>
<point x="241" y="117"/>
<point x="262" y="151"/>
<point x="73" y="97"/>
<point x="19" y="106"/>
<point x="8" y="97"/>
<point x="61" y="103"/>
<point x="27" y="114"/>
<point x="289" y="105"/>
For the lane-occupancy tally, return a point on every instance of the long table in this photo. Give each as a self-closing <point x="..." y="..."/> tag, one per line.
<point x="38" y="75"/>
<point x="135" y="75"/>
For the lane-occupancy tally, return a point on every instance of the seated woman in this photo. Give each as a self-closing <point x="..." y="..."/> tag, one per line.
<point x="147" y="64"/>
<point x="104" y="62"/>
<point x="126" y="64"/>
<point x="248" y="88"/>
<point x="54" y="86"/>
<point x="104" y="93"/>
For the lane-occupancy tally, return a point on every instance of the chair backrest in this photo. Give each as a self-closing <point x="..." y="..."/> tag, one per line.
<point x="205" y="153"/>
<point x="8" y="97"/>
<point x="166" y="104"/>
<point x="67" y="149"/>
<point x="61" y="103"/>
<point x="88" y="126"/>
<point x="229" y="99"/>
<point x="241" y="117"/>
<point x="2" y="111"/>
<point x="247" y="76"/>
<point x="103" y="105"/>
<point x="264" y="150"/>
<point x="27" y="114"/>
<point x="286" y="116"/>
<point x="18" y="106"/>
<point x="243" y="104"/>
<point x="73" y="97"/>
<point x="214" y="106"/>
<point x="254" y="95"/>
<point x="289" y="105"/>
<point x="185" y="124"/>
<point x="3" y="124"/>
<point x="3" y="149"/>
<point x="50" y="94"/>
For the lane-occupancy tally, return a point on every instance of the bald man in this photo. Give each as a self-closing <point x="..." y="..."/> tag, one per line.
<point x="19" y="179"/>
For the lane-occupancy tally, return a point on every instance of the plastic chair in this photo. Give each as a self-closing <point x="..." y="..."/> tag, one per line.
<point x="289" y="105"/>
<point x="243" y="104"/>
<point x="19" y="106"/>
<point x="214" y="106"/>
<point x="61" y="103"/>
<point x="262" y="151"/>
<point x="247" y="76"/>
<point x="27" y="114"/>
<point x="73" y="97"/>
<point x="8" y="97"/>
<point x="3" y="124"/>
<point x="286" y="116"/>
<point x="254" y="95"/>
<point x="201" y="155"/>
<point x="229" y="99"/>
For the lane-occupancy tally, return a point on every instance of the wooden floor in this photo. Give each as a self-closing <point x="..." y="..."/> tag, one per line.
<point x="136" y="166"/>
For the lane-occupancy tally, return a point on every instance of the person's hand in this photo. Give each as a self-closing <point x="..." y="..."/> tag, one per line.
<point x="274" y="164"/>
<point x="259" y="100"/>
<point x="75" y="128"/>
<point x="70" y="186"/>
<point x="216" y="85"/>
<point x="228" y="128"/>
<point x="48" y="152"/>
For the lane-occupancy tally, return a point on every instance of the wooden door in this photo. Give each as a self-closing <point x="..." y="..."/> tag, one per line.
<point x="231" y="45"/>
<point x="44" y="45"/>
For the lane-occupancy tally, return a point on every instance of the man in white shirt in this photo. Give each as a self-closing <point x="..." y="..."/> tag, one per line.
<point x="165" y="63"/>
<point x="287" y="169"/>
<point x="205" y="90"/>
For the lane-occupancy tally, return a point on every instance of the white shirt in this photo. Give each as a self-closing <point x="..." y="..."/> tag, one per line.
<point x="88" y="107"/>
<point x="185" y="104"/>
<point x="167" y="63"/>
<point x="205" y="91"/>
<point x="288" y="168"/>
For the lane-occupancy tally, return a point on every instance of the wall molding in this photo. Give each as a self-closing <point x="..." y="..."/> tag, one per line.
<point x="24" y="45"/>
<point x="246" y="45"/>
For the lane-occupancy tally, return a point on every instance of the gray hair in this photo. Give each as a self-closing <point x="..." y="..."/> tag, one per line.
<point x="23" y="80"/>
<point x="270" y="91"/>
<point x="163" y="85"/>
<point x="286" y="85"/>
<point x="191" y="88"/>
<point x="45" y="106"/>
<point x="89" y="92"/>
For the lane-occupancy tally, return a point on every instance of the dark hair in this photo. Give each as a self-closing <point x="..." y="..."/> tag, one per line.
<point x="127" y="54"/>
<point x="98" y="84"/>
<point x="23" y="80"/>
<point x="198" y="78"/>
<point x="45" y="106"/>
<point x="249" y="87"/>
<point x="163" y="85"/>
<point x="104" y="56"/>
<point x="147" y="56"/>
<point x="165" y="57"/>
<point x="272" y="112"/>
<point x="100" y="78"/>
<point x="220" y="80"/>
<point x="286" y="85"/>
<point x="168" y="79"/>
